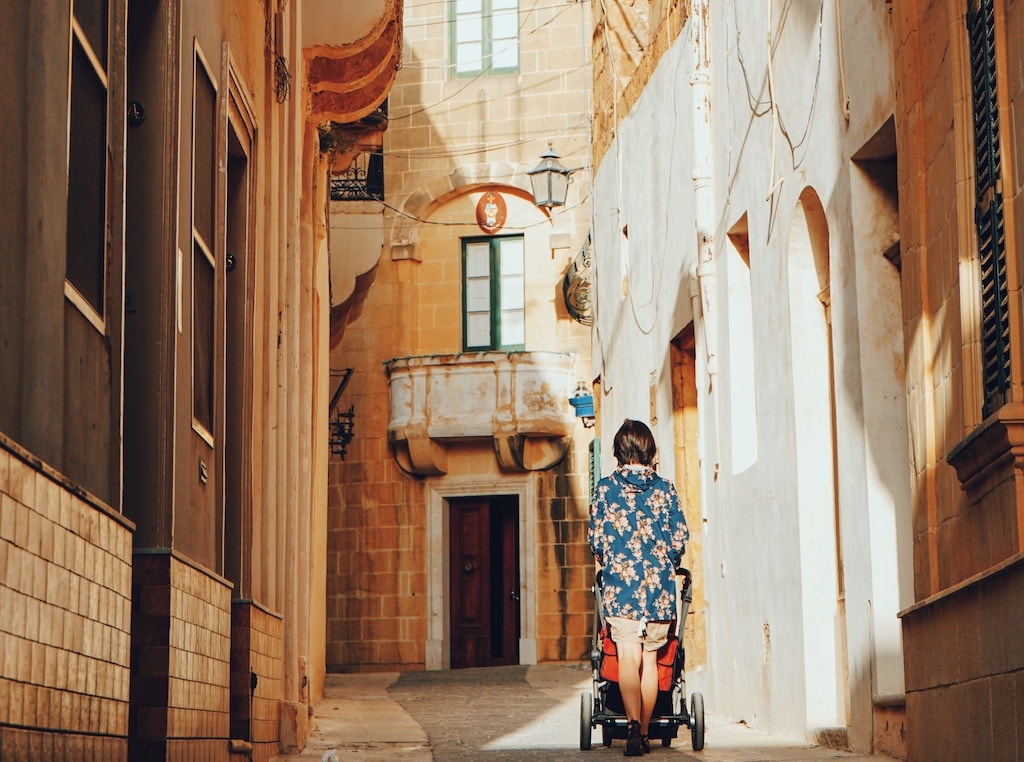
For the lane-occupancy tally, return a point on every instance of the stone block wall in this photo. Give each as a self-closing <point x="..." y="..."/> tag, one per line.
<point x="965" y="669"/>
<point x="65" y="582"/>
<point x="438" y="159"/>
<point x="181" y="624"/>
<point x="376" y="585"/>
<point x="565" y="566"/>
<point x="256" y="651"/>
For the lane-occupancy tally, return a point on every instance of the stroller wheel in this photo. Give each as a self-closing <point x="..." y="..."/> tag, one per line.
<point x="586" y="716"/>
<point x="697" y="721"/>
<point x="606" y="735"/>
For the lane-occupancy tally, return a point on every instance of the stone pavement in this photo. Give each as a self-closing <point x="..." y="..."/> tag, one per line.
<point x="501" y="713"/>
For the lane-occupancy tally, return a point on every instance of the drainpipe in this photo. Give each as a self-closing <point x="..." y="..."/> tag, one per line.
<point x="703" y="275"/>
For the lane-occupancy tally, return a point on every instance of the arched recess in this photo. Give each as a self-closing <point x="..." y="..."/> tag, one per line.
<point x="462" y="179"/>
<point x="822" y="587"/>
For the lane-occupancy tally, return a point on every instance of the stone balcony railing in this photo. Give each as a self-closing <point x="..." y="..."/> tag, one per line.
<point x="519" y="399"/>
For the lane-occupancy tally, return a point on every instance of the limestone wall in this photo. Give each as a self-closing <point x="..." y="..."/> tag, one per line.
<point x="449" y="140"/>
<point x="961" y="637"/>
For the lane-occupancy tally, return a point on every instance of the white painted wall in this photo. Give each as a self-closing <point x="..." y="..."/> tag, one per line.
<point x="356" y="241"/>
<point x="783" y="654"/>
<point x="642" y="283"/>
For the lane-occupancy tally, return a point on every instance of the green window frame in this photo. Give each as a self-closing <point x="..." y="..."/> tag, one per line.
<point x="484" y="37"/>
<point x="493" y="293"/>
<point x="988" y="210"/>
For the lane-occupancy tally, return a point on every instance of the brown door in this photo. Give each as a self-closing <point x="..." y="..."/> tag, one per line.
<point x="484" y="573"/>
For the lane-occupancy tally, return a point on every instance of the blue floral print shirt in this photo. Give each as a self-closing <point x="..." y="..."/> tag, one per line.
<point x="638" y="534"/>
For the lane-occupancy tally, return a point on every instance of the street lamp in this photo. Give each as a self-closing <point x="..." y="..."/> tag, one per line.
<point x="550" y="180"/>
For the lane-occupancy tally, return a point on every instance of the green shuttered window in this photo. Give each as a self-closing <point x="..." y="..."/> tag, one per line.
<point x="493" y="293"/>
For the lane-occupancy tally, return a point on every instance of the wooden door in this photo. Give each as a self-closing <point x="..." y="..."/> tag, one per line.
<point x="484" y="575"/>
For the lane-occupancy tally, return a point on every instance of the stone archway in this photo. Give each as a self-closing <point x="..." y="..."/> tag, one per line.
<point x="403" y="239"/>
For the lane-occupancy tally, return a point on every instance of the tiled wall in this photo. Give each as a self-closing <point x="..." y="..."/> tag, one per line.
<point x="256" y="648"/>
<point x="181" y="620"/>
<point x="65" y="581"/>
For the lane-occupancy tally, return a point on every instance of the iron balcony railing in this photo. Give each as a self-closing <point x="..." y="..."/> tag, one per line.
<point x="364" y="180"/>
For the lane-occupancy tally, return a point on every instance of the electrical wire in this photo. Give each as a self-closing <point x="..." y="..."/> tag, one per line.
<point x="443" y="4"/>
<point x="445" y="152"/>
<point x="655" y="280"/>
<point x="760" y="107"/>
<point x="470" y="223"/>
<point x="486" y="71"/>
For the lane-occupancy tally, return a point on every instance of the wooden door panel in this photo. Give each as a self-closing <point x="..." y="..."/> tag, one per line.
<point x="484" y="581"/>
<point x="505" y="591"/>
<point x="470" y="583"/>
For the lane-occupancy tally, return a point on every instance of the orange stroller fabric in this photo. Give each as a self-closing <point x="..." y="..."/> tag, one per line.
<point x="666" y="659"/>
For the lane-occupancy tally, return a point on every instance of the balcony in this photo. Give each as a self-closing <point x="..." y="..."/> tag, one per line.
<point x="352" y="57"/>
<point x="518" y="399"/>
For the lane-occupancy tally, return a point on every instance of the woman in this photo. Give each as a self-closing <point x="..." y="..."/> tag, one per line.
<point x="638" y="535"/>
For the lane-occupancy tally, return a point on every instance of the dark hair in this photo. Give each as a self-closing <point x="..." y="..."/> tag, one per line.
<point x="634" y="443"/>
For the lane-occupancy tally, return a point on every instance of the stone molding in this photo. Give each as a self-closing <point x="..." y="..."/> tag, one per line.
<point x="983" y="458"/>
<point x="520" y="399"/>
<point x="512" y="178"/>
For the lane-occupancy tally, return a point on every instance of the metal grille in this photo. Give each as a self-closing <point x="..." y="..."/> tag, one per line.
<point x="364" y="180"/>
<point x="988" y="211"/>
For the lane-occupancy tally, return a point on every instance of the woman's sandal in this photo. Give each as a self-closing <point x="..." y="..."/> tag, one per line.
<point x="634" y="741"/>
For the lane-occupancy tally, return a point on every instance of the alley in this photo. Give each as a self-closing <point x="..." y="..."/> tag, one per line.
<point x="498" y="713"/>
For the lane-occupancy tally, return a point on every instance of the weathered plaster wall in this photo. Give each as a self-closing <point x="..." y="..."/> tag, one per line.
<point x="783" y="652"/>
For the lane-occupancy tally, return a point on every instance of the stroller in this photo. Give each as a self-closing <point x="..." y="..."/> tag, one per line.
<point x="604" y="706"/>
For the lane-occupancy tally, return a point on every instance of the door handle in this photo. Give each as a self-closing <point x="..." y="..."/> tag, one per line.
<point x="513" y="595"/>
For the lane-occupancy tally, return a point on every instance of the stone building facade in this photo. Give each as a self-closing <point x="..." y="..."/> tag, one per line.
<point x="958" y="86"/>
<point x="458" y="512"/>
<point x="163" y="292"/>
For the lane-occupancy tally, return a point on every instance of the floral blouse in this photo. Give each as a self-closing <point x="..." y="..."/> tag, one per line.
<point x="638" y="534"/>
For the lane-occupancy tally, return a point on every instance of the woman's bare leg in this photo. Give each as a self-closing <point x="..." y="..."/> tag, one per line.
<point x="648" y="688"/>
<point x="630" y="660"/>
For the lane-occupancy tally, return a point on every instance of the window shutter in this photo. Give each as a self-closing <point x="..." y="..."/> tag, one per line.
<point x="995" y="333"/>
<point x="981" y="29"/>
<point x="988" y="211"/>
